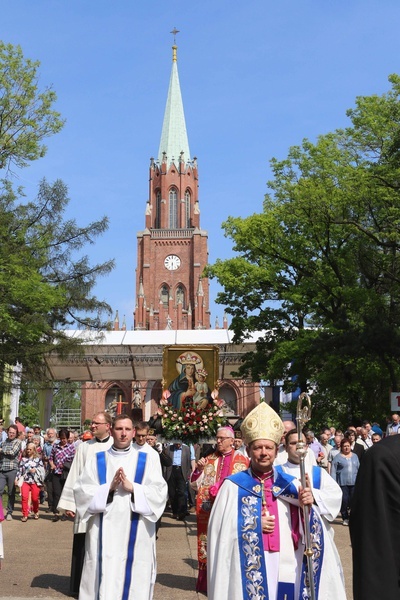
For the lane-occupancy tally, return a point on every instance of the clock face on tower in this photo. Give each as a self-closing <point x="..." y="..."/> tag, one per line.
<point x="172" y="262"/>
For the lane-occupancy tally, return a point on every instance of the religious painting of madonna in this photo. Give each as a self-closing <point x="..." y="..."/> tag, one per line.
<point x="190" y="372"/>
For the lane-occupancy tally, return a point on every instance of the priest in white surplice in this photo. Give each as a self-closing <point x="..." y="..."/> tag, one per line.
<point x="327" y="496"/>
<point x="102" y="440"/>
<point x="122" y="494"/>
<point x="255" y="538"/>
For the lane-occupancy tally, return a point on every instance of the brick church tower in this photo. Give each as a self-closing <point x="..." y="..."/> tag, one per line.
<point x="172" y="250"/>
<point x="171" y="292"/>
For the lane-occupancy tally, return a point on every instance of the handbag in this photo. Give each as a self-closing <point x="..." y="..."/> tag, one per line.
<point x="20" y="481"/>
<point x="65" y="470"/>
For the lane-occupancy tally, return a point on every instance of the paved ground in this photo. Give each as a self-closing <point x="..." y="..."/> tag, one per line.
<point x="37" y="560"/>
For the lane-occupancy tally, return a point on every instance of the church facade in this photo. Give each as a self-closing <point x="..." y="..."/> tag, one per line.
<point x="172" y="292"/>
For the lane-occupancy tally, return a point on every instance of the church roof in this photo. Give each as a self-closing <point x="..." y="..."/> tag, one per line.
<point x="174" y="139"/>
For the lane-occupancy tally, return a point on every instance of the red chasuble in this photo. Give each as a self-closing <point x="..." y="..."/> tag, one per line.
<point x="218" y="466"/>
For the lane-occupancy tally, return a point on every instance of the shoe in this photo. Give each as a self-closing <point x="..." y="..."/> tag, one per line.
<point x="56" y="518"/>
<point x="345" y="522"/>
<point x="36" y="516"/>
<point x="63" y="518"/>
<point x="9" y="517"/>
<point x="180" y="517"/>
<point x="24" y="519"/>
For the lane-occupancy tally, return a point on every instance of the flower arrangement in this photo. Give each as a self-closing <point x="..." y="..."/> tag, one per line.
<point x="190" y="424"/>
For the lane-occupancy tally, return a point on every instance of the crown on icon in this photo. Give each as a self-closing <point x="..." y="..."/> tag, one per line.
<point x="187" y="358"/>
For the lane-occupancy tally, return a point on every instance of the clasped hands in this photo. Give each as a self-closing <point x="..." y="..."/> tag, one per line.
<point x="120" y="478"/>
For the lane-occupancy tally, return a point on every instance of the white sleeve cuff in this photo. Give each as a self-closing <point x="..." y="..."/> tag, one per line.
<point x="320" y="503"/>
<point x="99" y="500"/>
<point x="140" y="505"/>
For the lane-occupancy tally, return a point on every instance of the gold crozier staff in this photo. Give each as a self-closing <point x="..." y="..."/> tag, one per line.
<point x="304" y="415"/>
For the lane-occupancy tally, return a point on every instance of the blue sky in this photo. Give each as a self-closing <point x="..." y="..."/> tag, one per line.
<point x="256" y="77"/>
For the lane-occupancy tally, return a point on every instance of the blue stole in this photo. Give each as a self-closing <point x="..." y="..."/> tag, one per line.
<point x="139" y="473"/>
<point x="102" y="473"/>
<point x="284" y="487"/>
<point x="250" y="541"/>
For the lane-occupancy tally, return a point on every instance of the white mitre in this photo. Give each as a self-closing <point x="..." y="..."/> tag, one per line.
<point x="262" y="423"/>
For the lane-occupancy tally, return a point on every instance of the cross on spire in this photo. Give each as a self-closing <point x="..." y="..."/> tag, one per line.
<point x="174" y="32"/>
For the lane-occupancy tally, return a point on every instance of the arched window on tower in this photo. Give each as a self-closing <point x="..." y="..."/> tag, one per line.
<point x="187" y="209"/>
<point x="164" y="295"/>
<point x="157" y="221"/>
<point x="173" y="209"/>
<point x="180" y="295"/>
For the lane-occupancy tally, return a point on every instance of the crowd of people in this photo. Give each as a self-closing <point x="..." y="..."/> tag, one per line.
<point x="116" y="479"/>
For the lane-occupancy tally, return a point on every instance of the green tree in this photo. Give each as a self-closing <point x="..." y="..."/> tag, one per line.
<point x="45" y="285"/>
<point x="318" y="269"/>
<point x="46" y="281"/>
<point x="26" y="114"/>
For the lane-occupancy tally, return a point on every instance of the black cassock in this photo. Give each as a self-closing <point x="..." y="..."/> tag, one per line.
<point x="375" y="523"/>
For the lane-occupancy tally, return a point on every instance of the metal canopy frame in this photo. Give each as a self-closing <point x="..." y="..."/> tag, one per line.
<point x="137" y="355"/>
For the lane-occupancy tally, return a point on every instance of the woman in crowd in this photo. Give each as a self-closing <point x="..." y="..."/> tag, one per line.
<point x="60" y="460"/>
<point x="31" y="472"/>
<point x="36" y="441"/>
<point x="344" y="471"/>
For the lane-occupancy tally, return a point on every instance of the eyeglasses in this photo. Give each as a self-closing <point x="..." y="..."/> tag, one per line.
<point x="99" y="423"/>
<point x="221" y="439"/>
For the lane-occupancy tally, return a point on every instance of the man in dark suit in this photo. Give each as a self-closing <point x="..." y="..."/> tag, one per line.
<point x="375" y="523"/>
<point x="177" y="476"/>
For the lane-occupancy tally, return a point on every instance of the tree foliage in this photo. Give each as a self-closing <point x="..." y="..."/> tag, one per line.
<point x="26" y="114"/>
<point x="46" y="280"/>
<point x="319" y="269"/>
<point x="44" y="286"/>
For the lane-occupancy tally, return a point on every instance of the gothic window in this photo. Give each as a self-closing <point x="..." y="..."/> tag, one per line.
<point x="173" y="209"/>
<point x="187" y="209"/>
<point x="157" y="222"/>
<point x="164" y="295"/>
<point x="180" y="295"/>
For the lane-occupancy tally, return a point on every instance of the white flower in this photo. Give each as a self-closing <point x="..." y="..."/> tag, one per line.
<point x="256" y="576"/>
<point x="252" y="537"/>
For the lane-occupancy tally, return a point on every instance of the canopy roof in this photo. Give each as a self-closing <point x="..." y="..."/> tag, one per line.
<point x="127" y="355"/>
